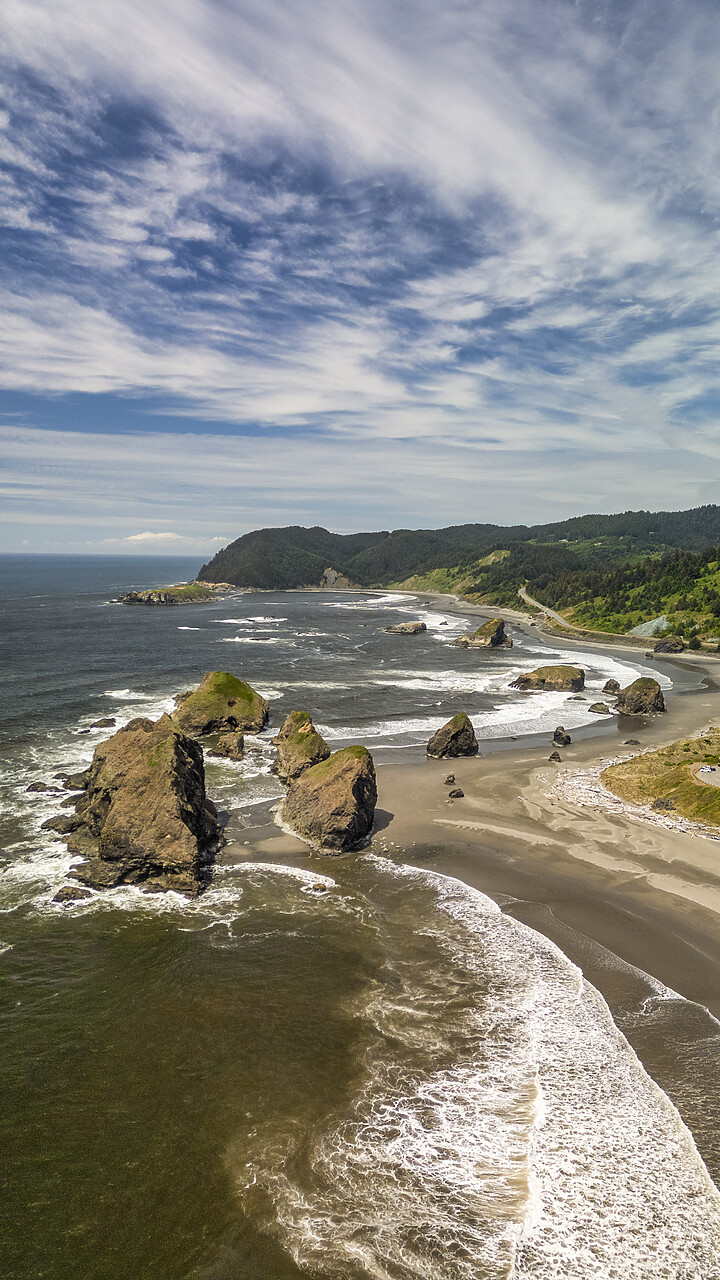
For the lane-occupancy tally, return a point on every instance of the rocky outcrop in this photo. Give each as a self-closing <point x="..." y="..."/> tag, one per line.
<point x="643" y="697"/>
<point x="671" y="644"/>
<point x="491" y="635"/>
<point x="225" y="746"/>
<point x="611" y="686"/>
<point x="105" y="722"/>
<point x="332" y="804"/>
<point x="456" y="738"/>
<point x="144" y="817"/>
<point x="561" y="737"/>
<point x="600" y="709"/>
<point x="334" y="581"/>
<point x="457" y="793"/>
<point x="299" y="746"/>
<point x="407" y="628"/>
<point x="220" y="704"/>
<point x="555" y="758"/>
<point x="560" y="679"/>
<point x="184" y="593"/>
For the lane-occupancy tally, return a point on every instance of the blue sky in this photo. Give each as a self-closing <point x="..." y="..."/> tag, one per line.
<point x="367" y="263"/>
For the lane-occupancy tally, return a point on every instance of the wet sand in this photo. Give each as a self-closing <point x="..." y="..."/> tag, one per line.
<point x="635" y="906"/>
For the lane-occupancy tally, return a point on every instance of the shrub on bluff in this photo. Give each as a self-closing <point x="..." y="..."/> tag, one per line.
<point x="144" y="817"/>
<point x="332" y="804"/>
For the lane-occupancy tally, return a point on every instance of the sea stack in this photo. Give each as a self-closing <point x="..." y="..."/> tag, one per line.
<point x="454" y="739"/>
<point x="559" y="679"/>
<point x="491" y="635"/>
<point x="643" y="697"/>
<point x="332" y="804"/>
<point x="220" y="704"/>
<point x="144" y="817"/>
<point x="299" y="746"/>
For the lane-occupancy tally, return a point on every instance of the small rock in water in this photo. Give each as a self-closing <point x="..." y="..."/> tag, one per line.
<point x="450" y="780"/>
<point x="456" y="794"/>
<point x="600" y="708"/>
<point x="71" y="895"/>
<point x="107" y="722"/>
<point x="44" y="786"/>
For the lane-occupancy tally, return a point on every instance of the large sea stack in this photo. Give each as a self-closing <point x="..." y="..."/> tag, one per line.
<point x="559" y="679"/>
<point x="299" y="746"/>
<point x="643" y="697"/>
<point x="332" y="804"/>
<point x="144" y="817"/>
<point x="454" y="739"/>
<point x="491" y="635"/>
<point x="220" y="704"/>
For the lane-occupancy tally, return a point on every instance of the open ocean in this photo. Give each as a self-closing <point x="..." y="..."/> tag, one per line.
<point x="342" y="1069"/>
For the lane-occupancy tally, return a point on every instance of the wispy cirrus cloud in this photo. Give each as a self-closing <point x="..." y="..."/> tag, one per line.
<point x="483" y="230"/>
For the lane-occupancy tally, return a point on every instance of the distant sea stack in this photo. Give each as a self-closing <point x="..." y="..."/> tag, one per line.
<point x="144" y="818"/>
<point x="491" y="635"/>
<point x="642" y="697"/>
<point x="559" y="679"/>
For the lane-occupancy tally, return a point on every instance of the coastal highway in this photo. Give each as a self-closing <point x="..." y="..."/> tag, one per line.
<point x="557" y="617"/>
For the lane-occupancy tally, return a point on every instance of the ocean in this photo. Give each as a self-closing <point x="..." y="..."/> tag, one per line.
<point x="328" y="1068"/>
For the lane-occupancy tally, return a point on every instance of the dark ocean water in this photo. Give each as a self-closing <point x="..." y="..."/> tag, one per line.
<point x="345" y="1068"/>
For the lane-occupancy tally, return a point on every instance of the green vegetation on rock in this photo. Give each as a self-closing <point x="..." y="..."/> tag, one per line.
<point x="221" y="702"/>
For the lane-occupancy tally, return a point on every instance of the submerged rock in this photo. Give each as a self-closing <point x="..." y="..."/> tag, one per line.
<point x="68" y="894"/>
<point x="456" y="738"/>
<point x="407" y="628"/>
<point x="558" y="679"/>
<point x="144" y="818"/>
<point x="332" y="804"/>
<point x="643" y="697"/>
<point x="491" y="635"/>
<point x="44" y="786"/>
<point x="561" y="737"/>
<point x="106" y="722"/>
<point x="299" y="746"/>
<point x="220" y="703"/>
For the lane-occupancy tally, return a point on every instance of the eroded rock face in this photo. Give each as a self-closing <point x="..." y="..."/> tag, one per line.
<point x="144" y="817"/>
<point x="611" y="686"/>
<point x="407" y="628"/>
<point x="220" y="704"/>
<point x="456" y="738"/>
<point x="332" y="804"/>
<point x="225" y="746"/>
<point x="671" y="644"/>
<point x="559" y="679"/>
<point x="491" y="635"/>
<point x="299" y="746"/>
<point x="643" y="697"/>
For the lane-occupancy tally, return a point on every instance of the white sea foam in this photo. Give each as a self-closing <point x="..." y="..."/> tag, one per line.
<point x="128" y="695"/>
<point x="502" y="1126"/>
<point x="191" y="628"/>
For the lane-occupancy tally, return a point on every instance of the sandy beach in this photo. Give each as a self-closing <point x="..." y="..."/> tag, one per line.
<point x="635" y="904"/>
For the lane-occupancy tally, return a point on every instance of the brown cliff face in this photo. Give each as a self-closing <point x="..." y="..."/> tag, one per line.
<point x="642" y="697"/>
<point x="454" y="739"/>
<point x="144" y="817"/>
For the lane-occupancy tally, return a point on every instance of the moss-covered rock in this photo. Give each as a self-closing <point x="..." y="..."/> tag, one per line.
<point x="600" y="709"/>
<point x="221" y="704"/>
<point x="491" y="635"/>
<point x="611" y="686"/>
<point x="558" y="679"/>
<point x="332" y="804"/>
<point x="144" y="817"/>
<point x="407" y="628"/>
<point x="299" y="745"/>
<point x="225" y="746"/>
<point x="454" y="739"/>
<point x="184" y="593"/>
<point x="643" y="697"/>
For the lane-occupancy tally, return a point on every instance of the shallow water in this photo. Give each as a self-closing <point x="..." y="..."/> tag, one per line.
<point x="344" y="1068"/>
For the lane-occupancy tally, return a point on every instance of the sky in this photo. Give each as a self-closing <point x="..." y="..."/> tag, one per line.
<point x="365" y="264"/>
